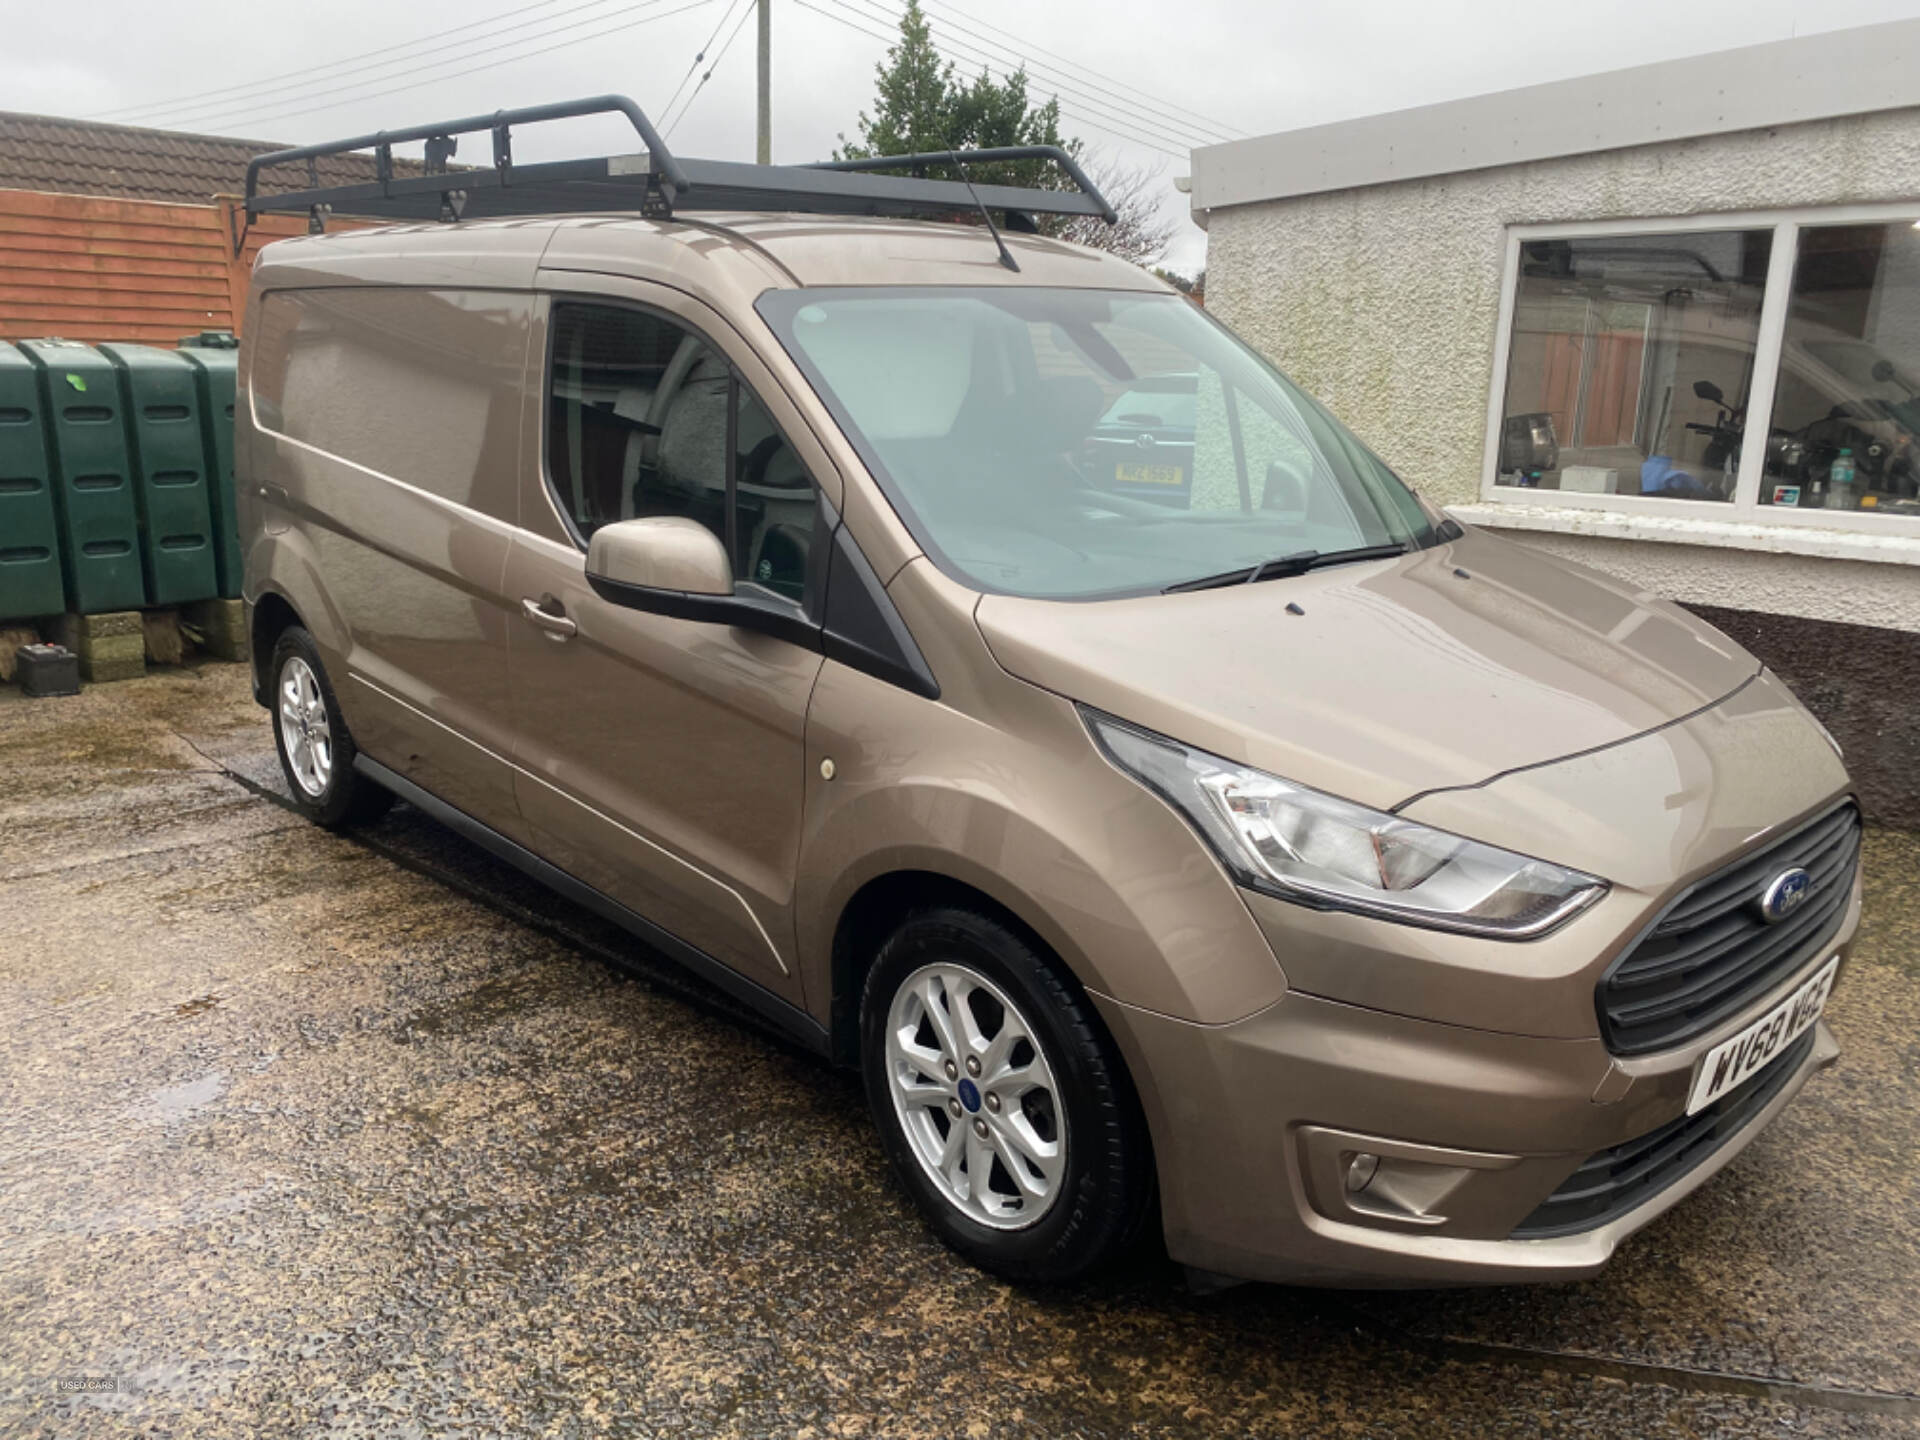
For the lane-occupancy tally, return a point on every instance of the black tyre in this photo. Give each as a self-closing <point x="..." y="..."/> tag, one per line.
<point x="316" y="750"/>
<point x="1001" y="1102"/>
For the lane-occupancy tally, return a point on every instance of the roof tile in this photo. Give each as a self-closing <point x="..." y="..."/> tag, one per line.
<point x="85" y="157"/>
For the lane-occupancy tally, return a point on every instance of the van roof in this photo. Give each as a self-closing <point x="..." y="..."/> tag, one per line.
<point x="702" y="225"/>
<point x="744" y="254"/>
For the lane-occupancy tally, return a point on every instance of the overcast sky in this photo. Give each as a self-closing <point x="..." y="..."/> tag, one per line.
<point x="1143" y="80"/>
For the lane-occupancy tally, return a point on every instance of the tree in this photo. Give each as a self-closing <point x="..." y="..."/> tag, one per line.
<point x="912" y="105"/>
<point x="921" y="106"/>
<point x="1142" y="232"/>
<point x="1194" y="285"/>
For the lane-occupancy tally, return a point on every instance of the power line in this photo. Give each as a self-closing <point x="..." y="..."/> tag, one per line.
<point x="883" y="39"/>
<point x="1072" y="90"/>
<point x="253" y="116"/>
<point x="1155" y="120"/>
<point x="309" y="70"/>
<point x="217" y="112"/>
<point x="1154" y="114"/>
<point x="241" y="111"/>
<point x="1097" y="120"/>
<point x="894" y="39"/>
<point x="1085" y="110"/>
<point x="698" y="56"/>
<point x="1169" y="106"/>
<point x="489" y="65"/>
<point x="1131" y="126"/>
<point x="738" y="26"/>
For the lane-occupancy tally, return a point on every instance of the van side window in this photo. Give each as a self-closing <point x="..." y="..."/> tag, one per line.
<point x="773" y="505"/>
<point x="639" y="418"/>
<point x="637" y="421"/>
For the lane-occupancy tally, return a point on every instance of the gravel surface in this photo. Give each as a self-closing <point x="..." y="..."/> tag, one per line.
<point x="304" y="1134"/>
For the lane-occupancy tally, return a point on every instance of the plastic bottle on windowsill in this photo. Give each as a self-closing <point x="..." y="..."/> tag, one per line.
<point x="1840" y="491"/>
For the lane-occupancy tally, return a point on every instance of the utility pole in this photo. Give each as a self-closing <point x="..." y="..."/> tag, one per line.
<point x="763" y="148"/>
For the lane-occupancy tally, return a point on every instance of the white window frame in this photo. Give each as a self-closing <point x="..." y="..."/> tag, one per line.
<point x="1745" y="507"/>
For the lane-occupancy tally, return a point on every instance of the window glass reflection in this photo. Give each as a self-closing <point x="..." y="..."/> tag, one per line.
<point x="1631" y="361"/>
<point x="1846" y="410"/>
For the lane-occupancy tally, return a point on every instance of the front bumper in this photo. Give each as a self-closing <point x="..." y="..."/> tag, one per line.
<point x="1255" y="1123"/>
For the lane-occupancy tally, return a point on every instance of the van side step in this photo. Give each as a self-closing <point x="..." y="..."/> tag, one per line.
<point x="789" y="1018"/>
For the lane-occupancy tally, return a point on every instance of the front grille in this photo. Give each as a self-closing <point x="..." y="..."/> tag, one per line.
<point x="1710" y="954"/>
<point x="1615" y="1181"/>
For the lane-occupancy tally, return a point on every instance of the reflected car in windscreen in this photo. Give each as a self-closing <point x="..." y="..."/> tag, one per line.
<point x="1143" y="444"/>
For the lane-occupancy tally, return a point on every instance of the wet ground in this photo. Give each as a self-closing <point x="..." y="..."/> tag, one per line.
<point x="309" y="1135"/>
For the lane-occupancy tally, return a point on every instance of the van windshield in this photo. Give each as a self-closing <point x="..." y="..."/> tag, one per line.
<point x="1080" y="444"/>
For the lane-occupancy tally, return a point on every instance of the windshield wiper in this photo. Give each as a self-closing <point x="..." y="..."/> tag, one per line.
<point x="1284" y="566"/>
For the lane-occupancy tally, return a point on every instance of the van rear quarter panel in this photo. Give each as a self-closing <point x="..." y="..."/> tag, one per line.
<point x="386" y="430"/>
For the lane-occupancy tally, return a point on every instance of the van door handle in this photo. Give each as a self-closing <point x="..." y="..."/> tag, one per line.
<point x="556" y="625"/>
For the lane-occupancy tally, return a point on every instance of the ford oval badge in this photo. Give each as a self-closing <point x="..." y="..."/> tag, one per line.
<point x="1784" y="894"/>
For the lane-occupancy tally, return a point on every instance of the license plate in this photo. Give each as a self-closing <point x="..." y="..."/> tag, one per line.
<point x="1730" y="1062"/>
<point x="1149" y="474"/>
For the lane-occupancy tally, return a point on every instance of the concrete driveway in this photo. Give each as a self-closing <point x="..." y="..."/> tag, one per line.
<point x="302" y="1134"/>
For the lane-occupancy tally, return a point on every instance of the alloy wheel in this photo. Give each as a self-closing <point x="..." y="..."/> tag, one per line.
<point x="304" y="732"/>
<point x="976" y="1096"/>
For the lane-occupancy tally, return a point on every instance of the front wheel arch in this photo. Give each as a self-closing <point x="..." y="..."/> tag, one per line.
<point x="874" y="912"/>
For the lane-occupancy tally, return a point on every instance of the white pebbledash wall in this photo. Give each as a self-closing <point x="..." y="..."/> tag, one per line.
<point x="1383" y="300"/>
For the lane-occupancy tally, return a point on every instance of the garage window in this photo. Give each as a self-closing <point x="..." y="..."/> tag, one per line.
<point x="1765" y="371"/>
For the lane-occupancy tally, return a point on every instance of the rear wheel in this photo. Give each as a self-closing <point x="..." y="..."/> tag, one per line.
<point x="999" y="1100"/>
<point x="316" y="750"/>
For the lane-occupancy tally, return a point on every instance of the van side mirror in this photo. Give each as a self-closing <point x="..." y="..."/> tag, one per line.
<point x="671" y="565"/>
<point x="667" y="553"/>
<point x="1284" y="489"/>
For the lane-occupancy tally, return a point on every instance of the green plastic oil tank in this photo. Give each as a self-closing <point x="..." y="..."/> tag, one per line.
<point x="30" y="576"/>
<point x="214" y="355"/>
<point x="92" y="478"/>
<point x="170" y="470"/>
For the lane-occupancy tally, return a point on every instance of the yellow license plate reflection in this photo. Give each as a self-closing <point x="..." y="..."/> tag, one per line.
<point x="1148" y="474"/>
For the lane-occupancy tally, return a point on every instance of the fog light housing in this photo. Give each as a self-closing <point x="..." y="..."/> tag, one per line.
<point x="1414" y="1192"/>
<point x="1394" y="1184"/>
<point x="1361" y="1170"/>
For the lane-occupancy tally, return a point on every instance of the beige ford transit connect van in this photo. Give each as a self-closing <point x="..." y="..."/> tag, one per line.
<point x="961" y="648"/>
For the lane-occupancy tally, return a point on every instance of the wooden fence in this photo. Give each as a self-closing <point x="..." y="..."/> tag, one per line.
<point x="85" y="268"/>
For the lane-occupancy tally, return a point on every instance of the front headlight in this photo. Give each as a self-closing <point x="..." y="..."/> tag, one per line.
<point x="1302" y="845"/>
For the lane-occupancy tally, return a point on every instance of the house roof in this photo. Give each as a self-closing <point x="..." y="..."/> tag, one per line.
<point x="1783" y="82"/>
<point x="84" y="157"/>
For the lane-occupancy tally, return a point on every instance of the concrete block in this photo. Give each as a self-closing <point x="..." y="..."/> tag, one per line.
<point x="1590" y="480"/>
<point x="112" y="646"/>
<point x="219" y="627"/>
<point x="14" y="639"/>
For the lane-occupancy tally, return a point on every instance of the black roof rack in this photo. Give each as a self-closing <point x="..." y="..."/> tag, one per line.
<point x="653" y="182"/>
